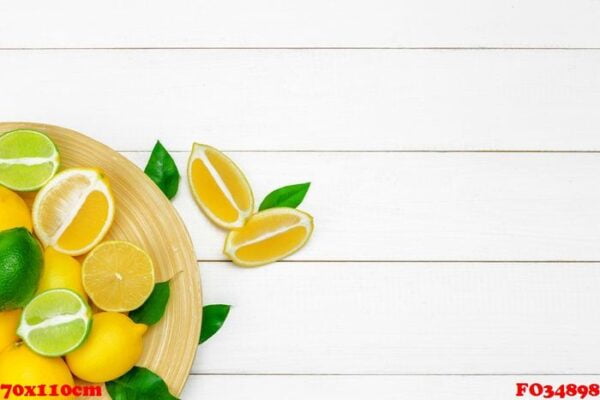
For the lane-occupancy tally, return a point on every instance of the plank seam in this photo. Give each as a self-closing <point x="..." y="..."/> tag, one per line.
<point x="393" y="374"/>
<point x="402" y="48"/>
<point x="425" y="261"/>
<point x="391" y="151"/>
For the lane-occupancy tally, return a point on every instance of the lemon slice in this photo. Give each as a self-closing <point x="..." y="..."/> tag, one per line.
<point x="118" y="276"/>
<point x="219" y="187"/>
<point x="28" y="159"/>
<point x="269" y="236"/>
<point x="55" y="322"/>
<point x="73" y="212"/>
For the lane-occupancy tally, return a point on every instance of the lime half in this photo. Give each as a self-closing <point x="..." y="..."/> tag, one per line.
<point x="28" y="159"/>
<point x="55" y="322"/>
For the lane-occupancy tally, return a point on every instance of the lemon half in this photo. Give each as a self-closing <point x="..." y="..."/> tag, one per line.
<point x="74" y="211"/>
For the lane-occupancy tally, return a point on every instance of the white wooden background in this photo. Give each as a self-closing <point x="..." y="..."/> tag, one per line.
<point x="454" y="150"/>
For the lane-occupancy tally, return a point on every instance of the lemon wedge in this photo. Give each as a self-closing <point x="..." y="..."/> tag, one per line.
<point x="219" y="187"/>
<point x="269" y="236"/>
<point x="74" y="211"/>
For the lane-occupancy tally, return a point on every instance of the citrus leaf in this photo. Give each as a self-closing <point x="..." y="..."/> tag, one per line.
<point x="154" y="308"/>
<point x="213" y="317"/>
<point x="287" y="196"/>
<point x="162" y="170"/>
<point x="139" y="384"/>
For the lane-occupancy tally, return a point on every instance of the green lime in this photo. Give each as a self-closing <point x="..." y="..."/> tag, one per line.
<point x="21" y="263"/>
<point x="55" y="322"/>
<point x="28" y="160"/>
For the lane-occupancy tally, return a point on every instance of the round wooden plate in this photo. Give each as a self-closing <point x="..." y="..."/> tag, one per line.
<point x="144" y="216"/>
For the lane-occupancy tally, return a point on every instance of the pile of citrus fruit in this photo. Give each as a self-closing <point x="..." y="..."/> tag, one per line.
<point x="222" y="191"/>
<point x="64" y="294"/>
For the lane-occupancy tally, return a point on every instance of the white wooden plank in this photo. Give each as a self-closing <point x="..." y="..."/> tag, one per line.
<point x="426" y="206"/>
<point x="404" y="318"/>
<point x="112" y="23"/>
<point x="236" y="387"/>
<point x="312" y="100"/>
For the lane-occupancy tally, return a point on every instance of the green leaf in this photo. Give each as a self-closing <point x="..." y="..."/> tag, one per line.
<point x="162" y="170"/>
<point x="287" y="196"/>
<point x="139" y="384"/>
<point x="213" y="317"/>
<point x="154" y="308"/>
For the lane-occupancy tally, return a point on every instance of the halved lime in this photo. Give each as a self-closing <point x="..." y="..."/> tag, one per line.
<point x="55" y="322"/>
<point x="28" y="159"/>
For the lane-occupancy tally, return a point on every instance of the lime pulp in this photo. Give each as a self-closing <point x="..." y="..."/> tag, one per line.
<point x="55" y="322"/>
<point x="28" y="160"/>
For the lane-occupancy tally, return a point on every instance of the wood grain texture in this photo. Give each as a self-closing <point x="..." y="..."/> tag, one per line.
<point x="404" y="318"/>
<point x="426" y="206"/>
<point x="311" y="99"/>
<point x="367" y="387"/>
<point x="304" y="23"/>
<point x="145" y="217"/>
<point x="382" y="317"/>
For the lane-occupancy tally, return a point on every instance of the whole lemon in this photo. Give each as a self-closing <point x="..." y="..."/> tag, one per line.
<point x="21" y="265"/>
<point x="14" y="213"/>
<point x="61" y="271"/>
<point x="19" y="365"/>
<point x="113" y="347"/>
<point x="9" y="321"/>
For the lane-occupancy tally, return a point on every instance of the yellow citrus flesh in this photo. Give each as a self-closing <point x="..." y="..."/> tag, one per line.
<point x="113" y="347"/>
<point x="21" y="366"/>
<point x="269" y="236"/>
<point x="118" y="276"/>
<point x="61" y="271"/>
<point x="219" y="187"/>
<point x="74" y="211"/>
<point x="9" y="321"/>
<point x="14" y="212"/>
<point x="87" y="224"/>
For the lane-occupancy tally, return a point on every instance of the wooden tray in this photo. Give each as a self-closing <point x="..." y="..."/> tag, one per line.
<point x="144" y="216"/>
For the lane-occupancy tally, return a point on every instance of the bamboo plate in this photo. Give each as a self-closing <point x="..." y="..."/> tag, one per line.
<point x="144" y="216"/>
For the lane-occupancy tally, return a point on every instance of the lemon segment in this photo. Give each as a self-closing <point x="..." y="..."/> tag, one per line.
<point x="74" y="211"/>
<point x="219" y="187"/>
<point x="114" y="346"/>
<point x="118" y="276"/>
<point x="55" y="322"/>
<point x="269" y="236"/>
<point x="28" y="160"/>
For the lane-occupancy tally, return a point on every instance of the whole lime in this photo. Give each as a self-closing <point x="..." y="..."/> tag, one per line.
<point x="21" y="263"/>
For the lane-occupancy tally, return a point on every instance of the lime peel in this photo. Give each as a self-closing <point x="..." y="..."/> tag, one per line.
<point x="28" y="160"/>
<point x="39" y="336"/>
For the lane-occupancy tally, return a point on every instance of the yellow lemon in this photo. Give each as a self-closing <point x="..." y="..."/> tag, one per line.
<point x="269" y="236"/>
<point x="74" y="211"/>
<point x="9" y="321"/>
<point x="61" y="271"/>
<point x="113" y="347"/>
<point x="118" y="276"/>
<point x="219" y="187"/>
<point x="21" y="366"/>
<point x="14" y="213"/>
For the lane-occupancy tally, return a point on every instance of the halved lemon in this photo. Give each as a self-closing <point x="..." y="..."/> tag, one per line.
<point x="73" y="212"/>
<point x="118" y="276"/>
<point x="219" y="187"/>
<point x="269" y="236"/>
